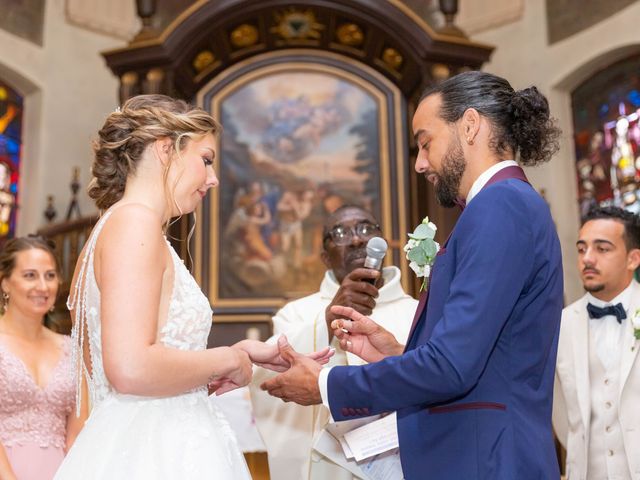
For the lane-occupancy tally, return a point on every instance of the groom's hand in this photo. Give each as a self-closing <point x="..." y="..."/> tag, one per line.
<point x="362" y="336"/>
<point x="298" y="384"/>
<point x="357" y="291"/>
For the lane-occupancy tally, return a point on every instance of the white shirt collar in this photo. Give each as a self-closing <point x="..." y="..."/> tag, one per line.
<point x="624" y="297"/>
<point x="485" y="176"/>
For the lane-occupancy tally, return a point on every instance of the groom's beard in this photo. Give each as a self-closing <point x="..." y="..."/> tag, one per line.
<point x="453" y="167"/>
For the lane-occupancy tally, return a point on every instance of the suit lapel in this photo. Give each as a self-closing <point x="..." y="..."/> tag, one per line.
<point x="630" y="344"/>
<point x="580" y="340"/>
<point x="422" y="302"/>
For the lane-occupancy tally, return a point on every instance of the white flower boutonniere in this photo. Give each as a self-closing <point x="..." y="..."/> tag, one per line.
<point x="635" y="322"/>
<point x="421" y="250"/>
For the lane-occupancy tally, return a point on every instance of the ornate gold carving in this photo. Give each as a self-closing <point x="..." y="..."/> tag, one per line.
<point x="350" y="34"/>
<point x="244" y="36"/>
<point x="440" y="71"/>
<point x="153" y="81"/>
<point x="294" y="24"/>
<point x="203" y="60"/>
<point x="129" y="78"/>
<point x="128" y="85"/>
<point x="392" y="58"/>
<point x="155" y="75"/>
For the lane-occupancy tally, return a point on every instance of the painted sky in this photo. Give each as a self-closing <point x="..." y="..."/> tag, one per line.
<point x="301" y="121"/>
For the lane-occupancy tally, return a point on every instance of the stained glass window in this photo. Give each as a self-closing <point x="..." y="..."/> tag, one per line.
<point x="10" y="149"/>
<point x="606" y="111"/>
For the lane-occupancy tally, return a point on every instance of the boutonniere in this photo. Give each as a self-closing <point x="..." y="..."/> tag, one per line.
<point x="635" y="323"/>
<point x="422" y="249"/>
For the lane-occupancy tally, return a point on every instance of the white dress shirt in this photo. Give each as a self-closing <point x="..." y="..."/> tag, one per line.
<point x="606" y="334"/>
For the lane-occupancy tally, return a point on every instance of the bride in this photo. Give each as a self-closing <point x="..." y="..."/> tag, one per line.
<point x="141" y="322"/>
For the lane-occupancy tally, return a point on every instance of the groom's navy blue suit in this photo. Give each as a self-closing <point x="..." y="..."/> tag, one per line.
<point x="473" y="389"/>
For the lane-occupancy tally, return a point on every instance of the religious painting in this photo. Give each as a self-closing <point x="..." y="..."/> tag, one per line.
<point x="295" y="147"/>
<point x="606" y="113"/>
<point x="298" y="142"/>
<point x="10" y="147"/>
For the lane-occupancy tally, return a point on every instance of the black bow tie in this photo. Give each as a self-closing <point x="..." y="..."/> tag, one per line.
<point x="616" y="310"/>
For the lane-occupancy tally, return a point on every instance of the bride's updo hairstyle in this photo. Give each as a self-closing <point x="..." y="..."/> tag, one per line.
<point x="127" y="132"/>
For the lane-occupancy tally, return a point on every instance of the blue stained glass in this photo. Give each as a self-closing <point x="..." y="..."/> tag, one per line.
<point x="10" y="143"/>
<point x="634" y="98"/>
<point x="604" y="110"/>
<point x="12" y="146"/>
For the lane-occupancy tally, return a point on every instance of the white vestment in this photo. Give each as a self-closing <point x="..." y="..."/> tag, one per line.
<point x="288" y="429"/>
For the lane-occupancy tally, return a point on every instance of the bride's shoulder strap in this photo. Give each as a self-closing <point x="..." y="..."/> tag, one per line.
<point x="77" y="302"/>
<point x="87" y="255"/>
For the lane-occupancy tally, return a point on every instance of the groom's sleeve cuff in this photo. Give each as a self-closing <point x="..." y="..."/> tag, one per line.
<point x="323" y="384"/>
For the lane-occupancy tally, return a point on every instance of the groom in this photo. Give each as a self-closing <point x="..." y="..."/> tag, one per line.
<point x="473" y="387"/>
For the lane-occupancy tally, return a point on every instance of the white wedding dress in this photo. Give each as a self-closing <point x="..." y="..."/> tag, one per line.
<point x="183" y="437"/>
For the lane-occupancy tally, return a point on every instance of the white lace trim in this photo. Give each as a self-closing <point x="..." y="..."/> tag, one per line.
<point x="77" y="302"/>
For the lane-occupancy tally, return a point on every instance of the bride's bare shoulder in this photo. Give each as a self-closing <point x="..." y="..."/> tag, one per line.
<point x="133" y="220"/>
<point x="132" y="229"/>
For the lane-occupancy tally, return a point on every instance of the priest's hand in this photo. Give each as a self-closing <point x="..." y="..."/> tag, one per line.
<point x="298" y="384"/>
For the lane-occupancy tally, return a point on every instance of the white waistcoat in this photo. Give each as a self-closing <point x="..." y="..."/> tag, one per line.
<point x="607" y="459"/>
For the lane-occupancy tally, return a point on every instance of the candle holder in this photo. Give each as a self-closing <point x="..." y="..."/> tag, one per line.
<point x="146" y="9"/>
<point x="74" y="206"/>
<point x="50" y="212"/>
<point x="449" y="9"/>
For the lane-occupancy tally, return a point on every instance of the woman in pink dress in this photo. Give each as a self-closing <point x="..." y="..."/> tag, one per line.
<point x="37" y="389"/>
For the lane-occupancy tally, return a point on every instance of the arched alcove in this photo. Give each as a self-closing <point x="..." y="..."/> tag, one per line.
<point x="606" y="132"/>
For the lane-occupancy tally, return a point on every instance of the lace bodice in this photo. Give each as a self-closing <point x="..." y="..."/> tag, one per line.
<point x="186" y="327"/>
<point x="28" y="413"/>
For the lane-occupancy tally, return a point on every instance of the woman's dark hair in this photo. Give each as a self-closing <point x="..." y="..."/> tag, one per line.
<point x="520" y="119"/>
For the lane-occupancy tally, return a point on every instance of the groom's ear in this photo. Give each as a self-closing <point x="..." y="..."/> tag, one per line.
<point x="469" y="125"/>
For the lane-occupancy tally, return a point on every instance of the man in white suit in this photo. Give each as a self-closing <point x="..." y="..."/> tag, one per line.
<point x="290" y="430"/>
<point x="596" y="410"/>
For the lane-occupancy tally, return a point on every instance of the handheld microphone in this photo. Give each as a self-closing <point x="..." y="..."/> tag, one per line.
<point x="376" y="250"/>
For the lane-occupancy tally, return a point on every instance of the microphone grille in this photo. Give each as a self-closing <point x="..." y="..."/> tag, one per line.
<point x="377" y="248"/>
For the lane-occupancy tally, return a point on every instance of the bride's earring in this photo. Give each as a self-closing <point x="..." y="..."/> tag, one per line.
<point x="5" y="300"/>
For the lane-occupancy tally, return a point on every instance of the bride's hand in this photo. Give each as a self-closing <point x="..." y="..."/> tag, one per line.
<point x="239" y="376"/>
<point x="268" y="356"/>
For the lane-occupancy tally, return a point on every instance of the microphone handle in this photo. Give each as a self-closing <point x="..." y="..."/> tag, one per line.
<point x="374" y="264"/>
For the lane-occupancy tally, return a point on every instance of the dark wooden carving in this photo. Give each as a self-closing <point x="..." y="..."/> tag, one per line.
<point x="212" y="36"/>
